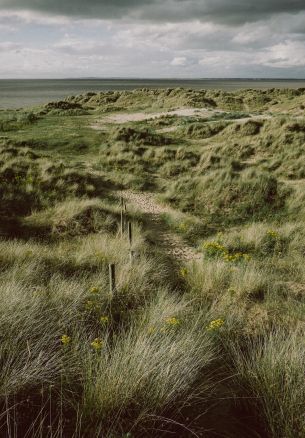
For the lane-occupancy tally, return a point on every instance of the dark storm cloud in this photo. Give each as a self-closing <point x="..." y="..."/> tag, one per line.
<point x="222" y="11"/>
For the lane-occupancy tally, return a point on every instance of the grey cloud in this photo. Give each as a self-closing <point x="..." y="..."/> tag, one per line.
<point x="277" y="60"/>
<point x="193" y="38"/>
<point x="9" y="46"/>
<point x="222" y="11"/>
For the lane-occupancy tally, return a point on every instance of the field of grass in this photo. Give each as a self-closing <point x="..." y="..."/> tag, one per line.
<point x="207" y="346"/>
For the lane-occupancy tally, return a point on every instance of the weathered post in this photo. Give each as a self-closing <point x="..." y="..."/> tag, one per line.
<point x="112" y="285"/>
<point x="131" y="255"/>
<point x="122" y="216"/>
<point x="124" y="207"/>
<point x="130" y="233"/>
<point x="122" y="222"/>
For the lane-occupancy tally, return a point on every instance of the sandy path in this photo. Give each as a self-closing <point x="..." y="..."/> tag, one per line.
<point x="142" y="116"/>
<point x="172" y="243"/>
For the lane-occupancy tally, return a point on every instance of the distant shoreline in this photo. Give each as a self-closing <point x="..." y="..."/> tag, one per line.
<point x="21" y="93"/>
<point x="156" y="79"/>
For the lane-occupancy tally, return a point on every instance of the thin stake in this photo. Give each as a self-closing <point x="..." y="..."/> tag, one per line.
<point x="122" y="222"/>
<point x="130" y="233"/>
<point x="131" y="256"/>
<point x="112" y="286"/>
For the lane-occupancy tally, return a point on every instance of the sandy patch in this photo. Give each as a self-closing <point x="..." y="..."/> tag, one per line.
<point x="119" y="118"/>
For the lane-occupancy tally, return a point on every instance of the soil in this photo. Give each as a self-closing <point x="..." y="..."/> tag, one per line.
<point x="172" y="243"/>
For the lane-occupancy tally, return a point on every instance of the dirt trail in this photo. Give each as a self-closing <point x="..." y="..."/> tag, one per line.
<point x="172" y="243"/>
<point x="141" y="116"/>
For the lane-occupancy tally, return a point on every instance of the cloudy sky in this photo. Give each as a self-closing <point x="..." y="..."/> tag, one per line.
<point x="152" y="38"/>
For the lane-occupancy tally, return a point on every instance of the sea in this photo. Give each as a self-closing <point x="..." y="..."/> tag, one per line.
<point x="27" y="93"/>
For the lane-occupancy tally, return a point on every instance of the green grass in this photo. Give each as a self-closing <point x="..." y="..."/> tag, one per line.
<point x="212" y="347"/>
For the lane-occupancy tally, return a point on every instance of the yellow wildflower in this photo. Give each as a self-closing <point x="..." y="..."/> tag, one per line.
<point x="247" y="257"/>
<point x="89" y="305"/>
<point x="214" y="249"/>
<point x="236" y="257"/>
<point x="97" y="344"/>
<point x="273" y="234"/>
<point x="183" y="272"/>
<point x="172" y="321"/>
<point x="215" y="324"/>
<point x="214" y="245"/>
<point x="94" y="290"/>
<point x="104" y="319"/>
<point x="183" y="226"/>
<point x="65" y="339"/>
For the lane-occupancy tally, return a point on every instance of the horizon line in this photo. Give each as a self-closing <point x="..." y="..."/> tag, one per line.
<point x="154" y="78"/>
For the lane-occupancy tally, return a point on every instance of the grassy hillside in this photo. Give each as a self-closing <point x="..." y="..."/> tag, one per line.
<point x="185" y="346"/>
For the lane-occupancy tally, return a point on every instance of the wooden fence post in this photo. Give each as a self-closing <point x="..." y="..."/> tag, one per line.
<point x="130" y="233"/>
<point x="122" y="222"/>
<point x="122" y="216"/>
<point x="112" y="285"/>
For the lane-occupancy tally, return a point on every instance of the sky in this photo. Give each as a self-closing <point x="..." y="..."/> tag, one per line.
<point x="152" y="38"/>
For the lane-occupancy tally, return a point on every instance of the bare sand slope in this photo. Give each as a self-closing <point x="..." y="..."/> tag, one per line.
<point x="119" y="118"/>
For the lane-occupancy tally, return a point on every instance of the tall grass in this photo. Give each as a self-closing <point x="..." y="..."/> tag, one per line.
<point x="150" y="369"/>
<point x="271" y="373"/>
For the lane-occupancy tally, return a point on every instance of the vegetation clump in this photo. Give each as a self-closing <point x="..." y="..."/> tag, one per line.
<point x="16" y="120"/>
<point x="251" y="127"/>
<point x="228" y="197"/>
<point x="205" y="130"/>
<point x="139" y="136"/>
<point x="28" y="182"/>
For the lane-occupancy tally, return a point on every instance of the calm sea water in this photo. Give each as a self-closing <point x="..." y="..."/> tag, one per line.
<point x="26" y="93"/>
